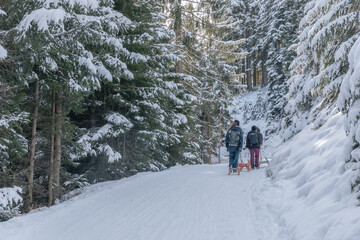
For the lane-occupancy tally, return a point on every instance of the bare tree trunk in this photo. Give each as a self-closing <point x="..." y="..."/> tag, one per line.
<point x="248" y="73"/>
<point x="209" y="140"/>
<point x="124" y="147"/>
<point x="177" y="29"/>
<point x="33" y="145"/>
<point x="92" y="117"/>
<point x="254" y="74"/>
<point x="123" y="8"/>
<point x="123" y="11"/>
<point x="220" y="134"/>
<point x="243" y="70"/>
<point x="52" y="147"/>
<point x="178" y="22"/>
<point x="248" y="59"/>
<point x="263" y="68"/>
<point x="57" y="150"/>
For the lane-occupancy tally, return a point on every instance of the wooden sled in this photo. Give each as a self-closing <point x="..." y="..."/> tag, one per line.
<point x="240" y="167"/>
<point x="265" y="161"/>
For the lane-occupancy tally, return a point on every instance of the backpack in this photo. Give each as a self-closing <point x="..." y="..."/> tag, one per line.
<point x="253" y="138"/>
<point x="234" y="138"/>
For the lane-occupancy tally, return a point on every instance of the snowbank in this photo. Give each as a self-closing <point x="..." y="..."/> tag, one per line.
<point x="311" y="169"/>
<point x="310" y="194"/>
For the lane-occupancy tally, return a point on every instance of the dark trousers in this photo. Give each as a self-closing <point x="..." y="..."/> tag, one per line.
<point x="254" y="157"/>
<point x="233" y="159"/>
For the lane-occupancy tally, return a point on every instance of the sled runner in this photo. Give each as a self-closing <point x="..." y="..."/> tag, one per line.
<point x="231" y="169"/>
<point x="266" y="160"/>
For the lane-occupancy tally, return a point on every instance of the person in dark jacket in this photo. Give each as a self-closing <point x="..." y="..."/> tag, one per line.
<point x="254" y="141"/>
<point x="234" y="143"/>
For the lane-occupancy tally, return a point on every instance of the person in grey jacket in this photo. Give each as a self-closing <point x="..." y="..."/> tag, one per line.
<point x="234" y="143"/>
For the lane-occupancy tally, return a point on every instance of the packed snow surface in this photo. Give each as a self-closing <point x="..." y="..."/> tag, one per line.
<point x="184" y="202"/>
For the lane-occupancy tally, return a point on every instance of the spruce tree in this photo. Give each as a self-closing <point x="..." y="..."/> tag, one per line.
<point x="138" y="123"/>
<point x="328" y="30"/>
<point x="66" y="49"/>
<point x="13" y="145"/>
<point x="277" y="31"/>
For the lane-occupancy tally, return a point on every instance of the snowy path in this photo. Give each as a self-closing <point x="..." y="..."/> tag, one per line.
<point x="189" y="202"/>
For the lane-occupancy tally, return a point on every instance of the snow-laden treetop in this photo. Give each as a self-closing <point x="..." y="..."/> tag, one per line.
<point x="87" y="5"/>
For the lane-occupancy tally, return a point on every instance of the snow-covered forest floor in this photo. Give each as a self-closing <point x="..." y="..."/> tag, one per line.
<point x="308" y="197"/>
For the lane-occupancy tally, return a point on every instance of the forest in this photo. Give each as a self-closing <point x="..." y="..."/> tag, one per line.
<point x="99" y="90"/>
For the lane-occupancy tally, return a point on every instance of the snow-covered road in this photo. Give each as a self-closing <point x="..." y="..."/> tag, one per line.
<point x="185" y="202"/>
